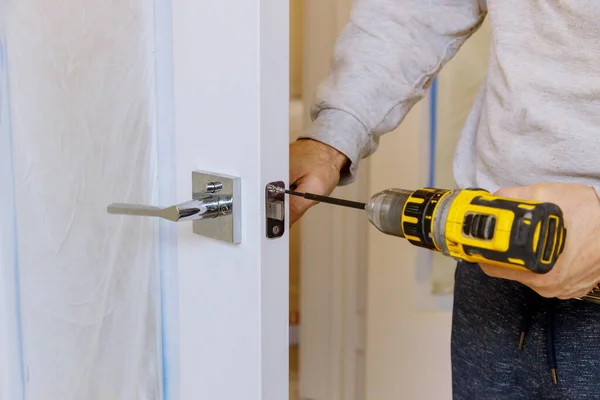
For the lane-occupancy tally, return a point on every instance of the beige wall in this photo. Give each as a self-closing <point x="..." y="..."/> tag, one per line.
<point x="408" y="352"/>
<point x="296" y="119"/>
<point x="332" y="347"/>
<point x="296" y="48"/>
<point x="296" y="122"/>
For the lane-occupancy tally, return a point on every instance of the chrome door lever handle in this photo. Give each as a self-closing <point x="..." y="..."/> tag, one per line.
<point x="215" y="209"/>
<point x="193" y="210"/>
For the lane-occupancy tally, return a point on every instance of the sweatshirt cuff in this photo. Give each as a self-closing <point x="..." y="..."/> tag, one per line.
<point x="346" y="134"/>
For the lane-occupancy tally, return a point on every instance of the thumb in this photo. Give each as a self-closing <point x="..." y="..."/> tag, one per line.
<point x="517" y="192"/>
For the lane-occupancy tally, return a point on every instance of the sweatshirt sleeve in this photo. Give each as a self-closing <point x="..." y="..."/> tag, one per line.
<point x="383" y="63"/>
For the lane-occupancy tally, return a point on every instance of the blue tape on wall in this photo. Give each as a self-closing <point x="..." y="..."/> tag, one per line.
<point x="433" y="94"/>
<point x="6" y="138"/>
<point x="165" y="111"/>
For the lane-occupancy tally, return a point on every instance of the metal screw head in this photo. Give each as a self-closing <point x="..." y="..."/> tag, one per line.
<point x="213" y="187"/>
<point x="275" y="189"/>
<point x="224" y="209"/>
<point x="276" y="230"/>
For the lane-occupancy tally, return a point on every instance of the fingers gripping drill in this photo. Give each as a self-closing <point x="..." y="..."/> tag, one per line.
<point x="470" y="225"/>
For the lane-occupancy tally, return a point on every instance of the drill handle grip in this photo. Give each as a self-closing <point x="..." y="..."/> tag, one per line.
<point x="537" y="235"/>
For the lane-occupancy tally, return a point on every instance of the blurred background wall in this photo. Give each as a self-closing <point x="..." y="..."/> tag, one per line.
<point x="296" y="126"/>
<point x="362" y="334"/>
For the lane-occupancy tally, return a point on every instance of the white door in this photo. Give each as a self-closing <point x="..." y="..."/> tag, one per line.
<point x="121" y="102"/>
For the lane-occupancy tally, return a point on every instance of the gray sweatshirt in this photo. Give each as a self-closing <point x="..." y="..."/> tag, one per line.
<point x="536" y="118"/>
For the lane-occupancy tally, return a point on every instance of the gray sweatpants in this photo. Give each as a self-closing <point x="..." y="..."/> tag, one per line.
<point x="489" y="316"/>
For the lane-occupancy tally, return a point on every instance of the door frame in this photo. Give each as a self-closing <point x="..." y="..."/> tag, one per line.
<point x="230" y="104"/>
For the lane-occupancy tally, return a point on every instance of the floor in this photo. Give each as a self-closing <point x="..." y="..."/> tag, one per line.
<point x="294" y="373"/>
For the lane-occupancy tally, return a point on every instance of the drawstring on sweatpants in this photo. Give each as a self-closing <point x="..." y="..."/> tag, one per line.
<point x="550" y="331"/>
<point x="527" y="315"/>
<point x="532" y="299"/>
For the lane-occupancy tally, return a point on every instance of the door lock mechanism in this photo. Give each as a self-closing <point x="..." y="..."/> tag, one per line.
<point x="215" y="208"/>
<point x="275" y="209"/>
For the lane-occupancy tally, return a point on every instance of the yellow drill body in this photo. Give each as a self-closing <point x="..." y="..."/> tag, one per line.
<point x="473" y="226"/>
<point x="469" y="225"/>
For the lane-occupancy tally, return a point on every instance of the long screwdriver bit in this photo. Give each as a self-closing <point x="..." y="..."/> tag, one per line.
<point x="322" y="199"/>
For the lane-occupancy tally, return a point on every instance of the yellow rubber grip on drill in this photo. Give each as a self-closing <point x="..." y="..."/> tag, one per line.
<point x="512" y="233"/>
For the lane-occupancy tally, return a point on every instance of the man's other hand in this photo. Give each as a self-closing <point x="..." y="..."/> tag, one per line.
<point x="314" y="168"/>
<point x="577" y="270"/>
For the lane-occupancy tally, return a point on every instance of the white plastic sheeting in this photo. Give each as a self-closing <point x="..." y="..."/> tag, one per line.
<point x="80" y="294"/>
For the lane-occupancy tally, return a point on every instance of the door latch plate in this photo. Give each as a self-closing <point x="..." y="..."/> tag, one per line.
<point x="275" y="210"/>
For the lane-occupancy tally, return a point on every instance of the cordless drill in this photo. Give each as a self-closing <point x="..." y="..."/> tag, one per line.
<point x="469" y="225"/>
<point x="474" y="226"/>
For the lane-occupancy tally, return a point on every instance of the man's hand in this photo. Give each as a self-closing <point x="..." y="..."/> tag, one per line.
<point x="577" y="270"/>
<point x="314" y="168"/>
